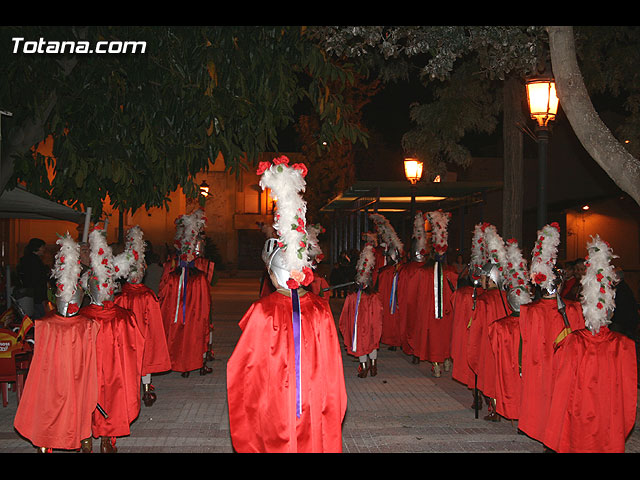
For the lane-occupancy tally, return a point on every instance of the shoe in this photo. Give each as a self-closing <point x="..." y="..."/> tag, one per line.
<point x="86" y="445"/>
<point x="392" y="349"/>
<point x="185" y="374"/>
<point x="447" y="364"/>
<point x="108" y="445"/>
<point x="374" y="368"/>
<point x="44" y="450"/>
<point x="473" y="405"/>
<point x="205" y="370"/>
<point x="363" y="369"/>
<point x="436" y="370"/>
<point x="492" y="416"/>
<point x="148" y="397"/>
<point x="210" y="356"/>
<point x="415" y="360"/>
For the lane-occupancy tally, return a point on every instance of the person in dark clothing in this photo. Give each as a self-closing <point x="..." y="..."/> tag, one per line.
<point x="626" y="318"/>
<point x="34" y="274"/>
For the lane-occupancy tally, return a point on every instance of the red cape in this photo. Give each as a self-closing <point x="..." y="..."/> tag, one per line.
<point x="379" y="257"/>
<point x="261" y="383"/>
<point x="391" y="334"/>
<point x="409" y="289"/>
<point x="489" y="307"/>
<point x="61" y="390"/>
<point x="504" y="336"/>
<point x="318" y="284"/>
<point x="540" y="325"/>
<point x="461" y="312"/>
<point x="593" y="403"/>
<point x="119" y="349"/>
<point x="369" y="323"/>
<point x="144" y="304"/>
<point x="430" y="337"/>
<point x="188" y="336"/>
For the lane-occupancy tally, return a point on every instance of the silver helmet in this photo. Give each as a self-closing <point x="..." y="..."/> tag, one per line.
<point x="555" y="286"/>
<point x="417" y="255"/>
<point x="272" y="256"/>
<point x="516" y="297"/>
<point x="490" y="270"/>
<point x="68" y="307"/>
<point x="198" y="249"/>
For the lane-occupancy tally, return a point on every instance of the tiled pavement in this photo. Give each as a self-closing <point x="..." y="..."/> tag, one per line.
<point x="401" y="410"/>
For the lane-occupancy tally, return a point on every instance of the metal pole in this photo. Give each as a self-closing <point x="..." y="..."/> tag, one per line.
<point x="543" y="144"/>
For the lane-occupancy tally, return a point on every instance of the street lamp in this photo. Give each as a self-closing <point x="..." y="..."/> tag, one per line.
<point x="204" y="189"/>
<point x="413" y="172"/>
<point x="543" y="107"/>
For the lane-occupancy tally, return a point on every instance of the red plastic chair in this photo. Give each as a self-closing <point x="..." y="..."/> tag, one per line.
<point x="10" y="371"/>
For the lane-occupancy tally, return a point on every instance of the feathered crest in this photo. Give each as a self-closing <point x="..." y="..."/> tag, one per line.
<point x="515" y="272"/>
<point x="102" y="269"/>
<point x="598" y="292"/>
<point x="439" y="222"/>
<point x="387" y="232"/>
<point x="67" y="267"/>
<point x="188" y="227"/>
<point x="420" y="233"/>
<point x="544" y="256"/>
<point x="370" y="237"/>
<point x="365" y="264"/>
<point x="495" y="247"/>
<point x="314" y="251"/>
<point x="130" y="264"/>
<point x="287" y="184"/>
<point x="479" y="252"/>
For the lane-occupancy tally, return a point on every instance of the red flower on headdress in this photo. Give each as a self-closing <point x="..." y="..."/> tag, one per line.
<point x="262" y="167"/>
<point x="555" y="225"/>
<point x="101" y="251"/>
<point x="302" y="167"/>
<point x="281" y="159"/>
<point x="539" y="278"/>
<point x="308" y="276"/>
<point x="292" y="284"/>
<point x="105" y="261"/>
<point x="72" y="308"/>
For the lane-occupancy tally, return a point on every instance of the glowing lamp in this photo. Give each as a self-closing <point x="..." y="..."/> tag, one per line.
<point x="542" y="99"/>
<point x="413" y="170"/>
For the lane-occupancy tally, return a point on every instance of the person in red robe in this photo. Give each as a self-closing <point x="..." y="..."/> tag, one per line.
<point x="285" y="379"/>
<point x="388" y="278"/>
<point x="594" y="392"/>
<point x="142" y="301"/>
<point x="61" y="390"/>
<point x="361" y="317"/>
<point x="185" y="301"/>
<point x="119" y="350"/>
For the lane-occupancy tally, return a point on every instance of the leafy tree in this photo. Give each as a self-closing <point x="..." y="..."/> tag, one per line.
<point x="136" y="126"/>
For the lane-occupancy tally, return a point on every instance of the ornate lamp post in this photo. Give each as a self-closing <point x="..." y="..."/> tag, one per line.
<point x="543" y="107"/>
<point x="204" y="193"/>
<point x="413" y="172"/>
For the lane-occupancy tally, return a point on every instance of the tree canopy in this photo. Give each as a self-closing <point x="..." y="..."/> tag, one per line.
<point x="137" y="126"/>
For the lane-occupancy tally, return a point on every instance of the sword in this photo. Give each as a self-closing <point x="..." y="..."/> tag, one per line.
<point x="336" y="286"/>
<point x="101" y="410"/>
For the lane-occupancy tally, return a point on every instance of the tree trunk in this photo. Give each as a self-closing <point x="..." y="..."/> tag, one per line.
<point x="593" y="134"/>
<point x="513" y="187"/>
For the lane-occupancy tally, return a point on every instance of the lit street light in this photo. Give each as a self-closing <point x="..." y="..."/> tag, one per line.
<point x="413" y="172"/>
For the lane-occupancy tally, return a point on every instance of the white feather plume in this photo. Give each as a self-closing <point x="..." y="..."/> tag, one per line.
<point x="479" y="253"/>
<point x="544" y="256"/>
<point x="102" y="268"/>
<point x="131" y="262"/>
<point x="515" y="273"/>
<point x="287" y="184"/>
<point x="387" y="232"/>
<point x="439" y="222"/>
<point x="188" y="227"/>
<point x="365" y="264"/>
<point x="420" y="233"/>
<point x="314" y="251"/>
<point x="67" y="267"/>
<point x="598" y="292"/>
<point x="495" y="247"/>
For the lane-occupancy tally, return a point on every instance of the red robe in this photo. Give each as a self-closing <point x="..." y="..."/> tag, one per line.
<point x="490" y="306"/>
<point x="61" y="390"/>
<point x="460" y="313"/>
<point x="261" y="379"/>
<point x="540" y="326"/>
<point x="369" y="323"/>
<point x="188" y="334"/>
<point x="504" y="336"/>
<point x="380" y="262"/>
<point x="119" y="350"/>
<point x="318" y="283"/>
<point x="430" y="337"/>
<point x="409" y="289"/>
<point x="391" y="334"/>
<point x="593" y="403"/>
<point x="142" y="301"/>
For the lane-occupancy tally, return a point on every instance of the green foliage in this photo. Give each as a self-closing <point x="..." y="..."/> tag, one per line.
<point x="138" y="126"/>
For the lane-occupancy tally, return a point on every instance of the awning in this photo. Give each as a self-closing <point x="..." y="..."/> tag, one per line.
<point x="396" y="195"/>
<point x="18" y="203"/>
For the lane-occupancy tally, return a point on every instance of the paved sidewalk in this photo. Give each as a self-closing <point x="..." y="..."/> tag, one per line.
<point x="401" y="410"/>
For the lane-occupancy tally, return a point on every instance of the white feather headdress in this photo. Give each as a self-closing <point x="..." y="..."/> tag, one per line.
<point x="387" y="232"/>
<point x="102" y="269"/>
<point x="314" y="251"/>
<point x="598" y="292"/>
<point x="67" y="267"/>
<point x="544" y="256"/>
<point x="287" y="184"/>
<point x="496" y="250"/>
<point x="479" y="253"/>
<point x="515" y="272"/>
<point x="370" y="237"/>
<point x="439" y="222"/>
<point x="130" y="264"/>
<point x="365" y="264"/>
<point x="188" y="227"/>
<point x="420" y="233"/>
